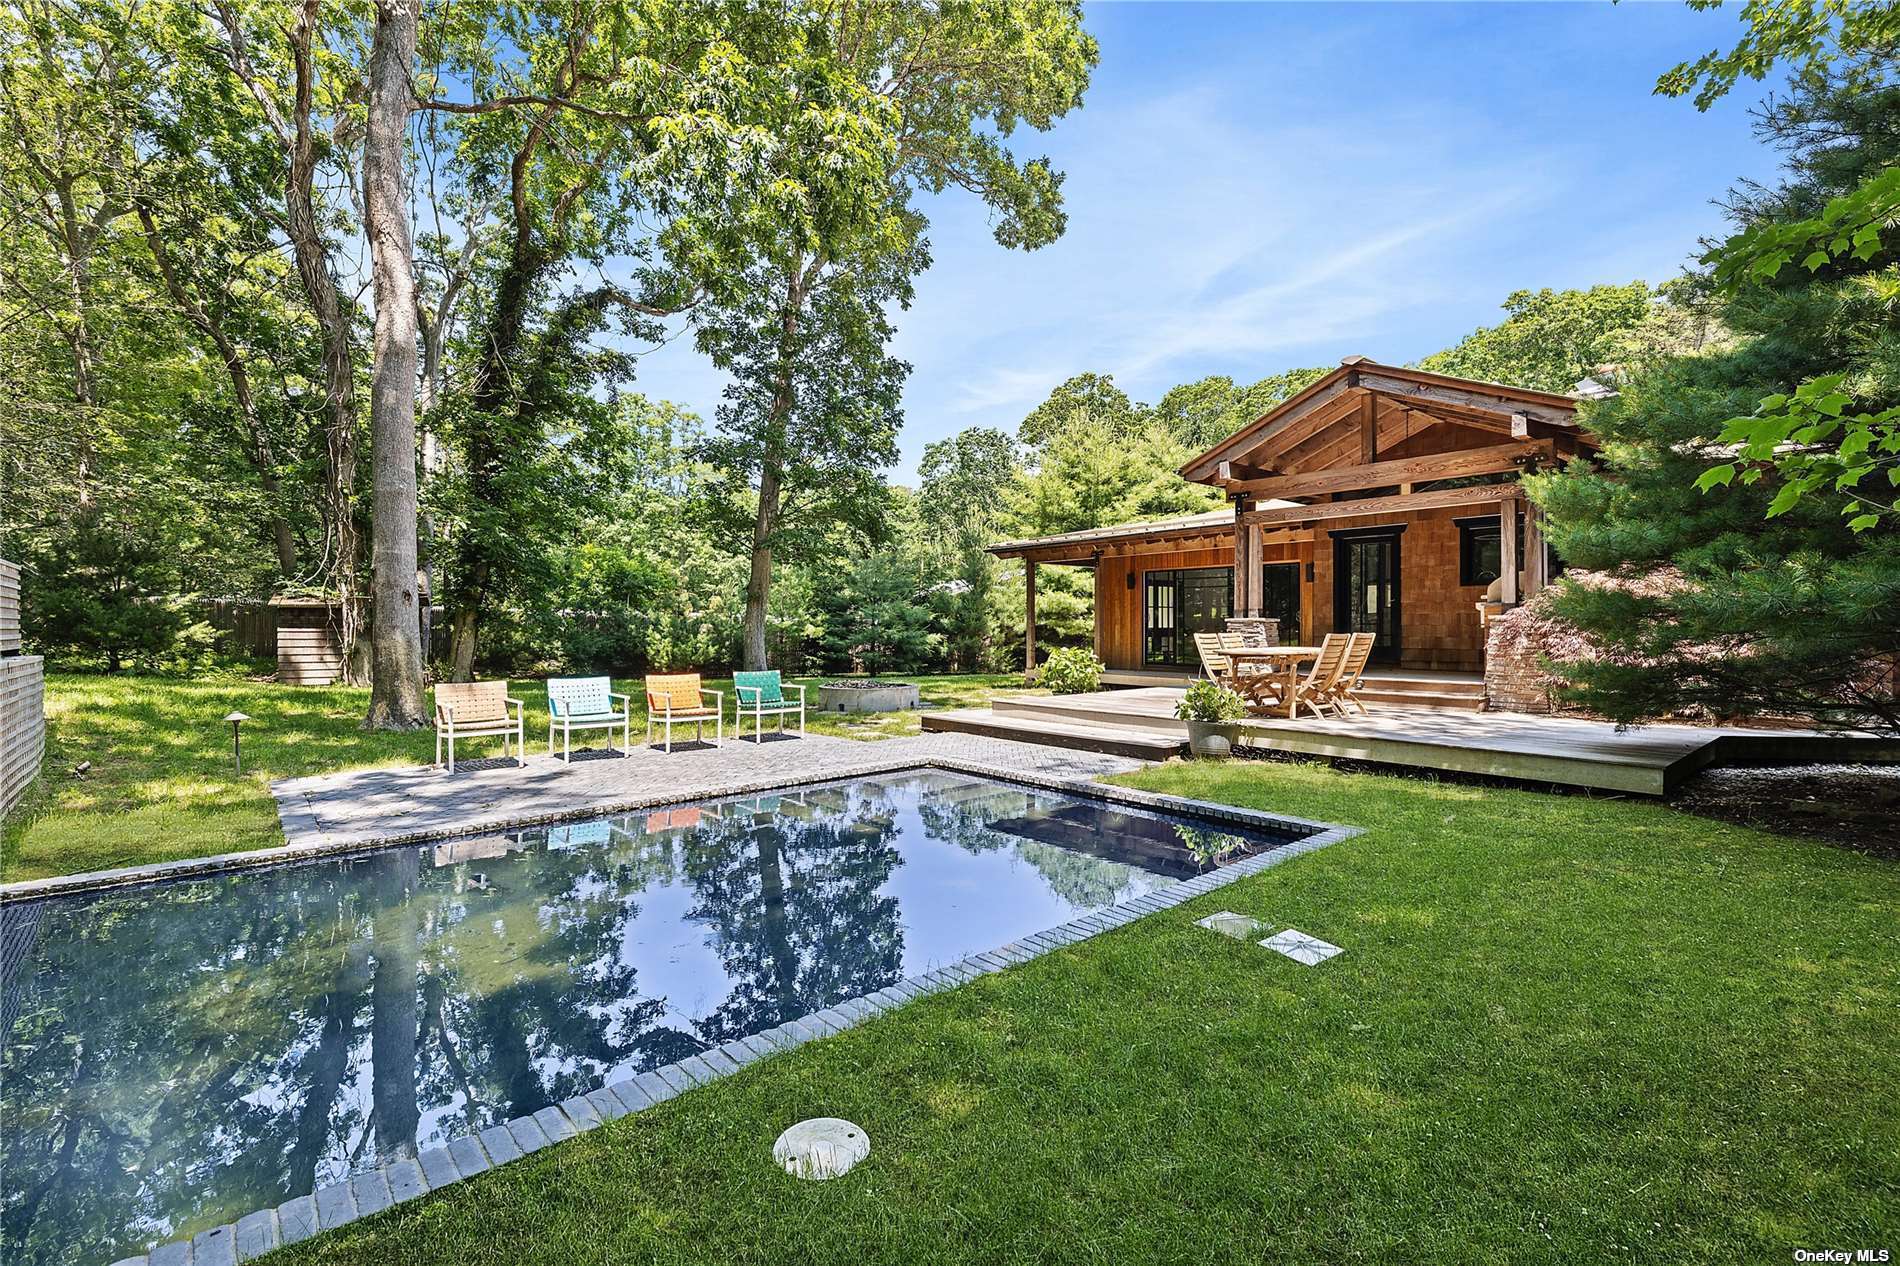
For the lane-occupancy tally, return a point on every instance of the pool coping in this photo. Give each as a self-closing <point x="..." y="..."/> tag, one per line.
<point x="394" y="1182"/>
<point x="220" y="863"/>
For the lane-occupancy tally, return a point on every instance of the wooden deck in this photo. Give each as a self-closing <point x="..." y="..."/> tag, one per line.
<point x="1558" y="750"/>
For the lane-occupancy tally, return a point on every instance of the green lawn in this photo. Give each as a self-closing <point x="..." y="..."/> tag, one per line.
<point x="161" y="784"/>
<point x="1563" y="1030"/>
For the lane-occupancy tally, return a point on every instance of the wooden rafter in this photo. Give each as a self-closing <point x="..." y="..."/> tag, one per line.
<point x="1496" y="459"/>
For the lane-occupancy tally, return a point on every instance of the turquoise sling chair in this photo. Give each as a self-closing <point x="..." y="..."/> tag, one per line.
<point x="762" y="694"/>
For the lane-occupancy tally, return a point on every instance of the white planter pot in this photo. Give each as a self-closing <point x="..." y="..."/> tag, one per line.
<point x="1213" y="739"/>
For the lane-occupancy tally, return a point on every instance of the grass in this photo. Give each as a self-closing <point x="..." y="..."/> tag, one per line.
<point x="161" y="784"/>
<point x="1563" y="1030"/>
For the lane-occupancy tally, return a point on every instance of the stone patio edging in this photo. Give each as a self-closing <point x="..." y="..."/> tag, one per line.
<point x="395" y="1182"/>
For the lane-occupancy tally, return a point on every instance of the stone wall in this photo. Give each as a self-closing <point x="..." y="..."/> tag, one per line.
<point x="1516" y="644"/>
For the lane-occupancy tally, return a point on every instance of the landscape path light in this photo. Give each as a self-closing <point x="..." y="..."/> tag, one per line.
<point x="237" y="755"/>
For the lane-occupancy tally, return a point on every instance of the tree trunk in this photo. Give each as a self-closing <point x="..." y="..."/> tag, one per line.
<point x="758" y="585"/>
<point x="462" y="642"/>
<point x="758" y="589"/>
<point x="395" y="624"/>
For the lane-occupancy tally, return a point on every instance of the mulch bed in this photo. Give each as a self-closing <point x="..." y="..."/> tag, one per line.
<point x="1854" y="805"/>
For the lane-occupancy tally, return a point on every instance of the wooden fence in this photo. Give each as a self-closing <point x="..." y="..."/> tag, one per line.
<point x="252" y="626"/>
<point x="301" y="635"/>
<point x="22" y="699"/>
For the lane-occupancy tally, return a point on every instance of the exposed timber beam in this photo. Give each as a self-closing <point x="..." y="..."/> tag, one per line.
<point x="1502" y="406"/>
<point x="1237" y="472"/>
<point x="1480" y="494"/>
<point x="1494" y="459"/>
<point x="1507" y="553"/>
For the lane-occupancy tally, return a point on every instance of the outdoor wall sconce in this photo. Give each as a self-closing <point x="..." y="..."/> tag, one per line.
<point x="1131" y="579"/>
<point x="1309" y="573"/>
<point x="237" y="755"/>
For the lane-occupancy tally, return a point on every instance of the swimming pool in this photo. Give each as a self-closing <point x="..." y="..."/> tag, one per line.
<point x="180" y="1054"/>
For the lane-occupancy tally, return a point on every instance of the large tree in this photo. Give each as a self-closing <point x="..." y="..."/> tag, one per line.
<point x="395" y="624"/>
<point x="1551" y="339"/>
<point x="1758" y="594"/>
<point x="877" y="105"/>
<point x="609" y="116"/>
<point x="303" y="108"/>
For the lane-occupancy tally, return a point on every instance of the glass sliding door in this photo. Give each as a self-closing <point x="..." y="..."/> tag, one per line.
<point x="1178" y="604"/>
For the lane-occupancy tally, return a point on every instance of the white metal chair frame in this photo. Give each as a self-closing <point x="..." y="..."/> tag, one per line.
<point x="566" y="722"/>
<point x="516" y="725"/>
<point x="761" y="709"/>
<point x="717" y="715"/>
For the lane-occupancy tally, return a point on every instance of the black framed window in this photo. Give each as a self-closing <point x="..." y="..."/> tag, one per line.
<point x="1481" y="549"/>
<point x="1178" y="604"/>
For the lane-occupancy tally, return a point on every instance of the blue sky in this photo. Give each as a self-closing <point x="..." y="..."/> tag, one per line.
<point x="1253" y="187"/>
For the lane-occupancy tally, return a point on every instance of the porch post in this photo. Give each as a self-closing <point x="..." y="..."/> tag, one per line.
<point x="1244" y="600"/>
<point x="1536" y="556"/>
<point x="1029" y="616"/>
<point x="1507" y="549"/>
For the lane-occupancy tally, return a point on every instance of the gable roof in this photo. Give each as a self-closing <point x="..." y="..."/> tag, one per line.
<point x="1327" y="416"/>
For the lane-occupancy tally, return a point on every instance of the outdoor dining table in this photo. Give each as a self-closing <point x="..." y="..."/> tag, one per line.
<point x="1274" y="685"/>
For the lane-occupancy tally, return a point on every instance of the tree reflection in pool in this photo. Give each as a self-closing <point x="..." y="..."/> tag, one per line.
<point x="180" y="1054"/>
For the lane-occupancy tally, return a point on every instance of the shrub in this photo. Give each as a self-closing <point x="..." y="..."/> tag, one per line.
<point x="1205" y="701"/>
<point x="1070" y="671"/>
<point x="100" y="594"/>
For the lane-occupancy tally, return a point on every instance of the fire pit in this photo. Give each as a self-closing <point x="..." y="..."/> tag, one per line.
<point x="866" y="696"/>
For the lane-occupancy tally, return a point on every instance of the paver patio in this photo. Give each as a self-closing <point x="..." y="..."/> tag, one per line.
<point x="339" y="810"/>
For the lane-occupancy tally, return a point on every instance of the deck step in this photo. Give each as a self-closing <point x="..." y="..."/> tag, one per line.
<point x="1375" y="692"/>
<point x="1423" y="684"/>
<point x="1120" y="710"/>
<point x="1116" y="740"/>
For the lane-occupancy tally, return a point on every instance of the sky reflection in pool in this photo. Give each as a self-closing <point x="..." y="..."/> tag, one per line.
<point x="180" y="1054"/>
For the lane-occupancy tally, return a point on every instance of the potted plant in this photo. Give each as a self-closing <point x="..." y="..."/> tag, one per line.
<point x="1213" y="716"/>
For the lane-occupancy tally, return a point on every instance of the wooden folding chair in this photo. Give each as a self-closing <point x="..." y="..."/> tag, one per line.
<point x="1214" y="662"/>
<point x="1315" y="693"/>
<point x="1345" y="691"/>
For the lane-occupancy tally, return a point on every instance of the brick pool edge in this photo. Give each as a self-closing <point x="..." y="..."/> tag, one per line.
<point x="395" y="1182"/>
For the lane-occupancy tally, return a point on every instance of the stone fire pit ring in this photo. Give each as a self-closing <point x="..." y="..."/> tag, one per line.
<point x="866" y="696"/>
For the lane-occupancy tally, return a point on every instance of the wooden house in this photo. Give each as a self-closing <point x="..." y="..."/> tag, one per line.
<point x="1379" y="499"/>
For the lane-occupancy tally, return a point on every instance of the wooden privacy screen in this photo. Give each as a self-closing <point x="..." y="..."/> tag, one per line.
<point x="22" y="699"/>
<point x="9" y="608"/>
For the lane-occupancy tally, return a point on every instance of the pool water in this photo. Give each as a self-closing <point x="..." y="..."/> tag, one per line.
<point x="177" y="1055"/>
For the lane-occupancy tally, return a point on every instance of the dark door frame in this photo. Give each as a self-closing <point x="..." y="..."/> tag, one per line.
<point x="1343" y="539"/>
